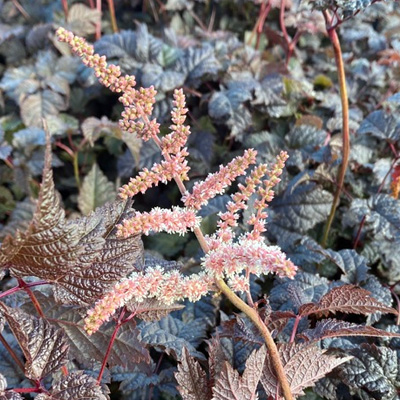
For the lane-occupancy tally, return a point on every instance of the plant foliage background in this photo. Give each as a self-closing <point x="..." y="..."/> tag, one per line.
<point x="240" y="94"/>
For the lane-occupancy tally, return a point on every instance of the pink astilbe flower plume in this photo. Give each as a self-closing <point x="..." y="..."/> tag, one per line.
<point x="164" y="172"/>
<point x="176" y="140"/>
<point x="217" y="182"/>
<point x="178" y="220"/>
<point x="167" y="286"/>
<point x="227" y="256"/>
<point x="138" y="104"/>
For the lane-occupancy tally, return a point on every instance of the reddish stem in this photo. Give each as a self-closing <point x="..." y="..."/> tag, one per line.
<point x="282" y="23"/>
<point x="110" y="344"/>
<point x="66" y="149"/>
<point x="264" y="11"/>
<point x="357" y="239"/>
<point x="28" y="390"/>
<point x="111" y="8"/>
<point x="18" y="288"/>
<point x="129" y="318"/>
<point x="345" y="122"/>
<point x="21" y="9"/>
<point x="295" y="326"/>
<point x="33" y="298"/>
<point x="65" y="8"/>
<point x="98" y="24"/>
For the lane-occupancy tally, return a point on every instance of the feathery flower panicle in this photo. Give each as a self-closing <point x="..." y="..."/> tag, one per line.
<point x="217" y="182"/>
<point x="178" y="220"/>
<point x="173" y="142"/>
<point x="138" y="103"/>
<point x="163" y="172"/>
<point x="229" y="218"/>
<point x="239" y="283"/>
<point x="254" y="183"/>
<point x="266" y="195"/>
<point x="165" y="286"/>
<point x="230" y="259"/>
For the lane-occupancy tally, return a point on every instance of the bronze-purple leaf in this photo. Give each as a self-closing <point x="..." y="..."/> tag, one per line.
<point x="127" y="349"/>
<point x="49" y="247"/>
<point x="75" y="386"/>
<point x="83" y="257"/>
<point x="45" y="347"/>
<point x="100" y="268"/>
<point x="334" y="328"/>
<point x="303" y="366"/>
<point x="230" y="385"/>
<point x="192" y="380"/>
<point x="346" y="299"/>
<point x="241" y="329"/>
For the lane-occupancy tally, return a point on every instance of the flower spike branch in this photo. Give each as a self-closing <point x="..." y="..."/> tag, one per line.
<point x="229" y="260"/>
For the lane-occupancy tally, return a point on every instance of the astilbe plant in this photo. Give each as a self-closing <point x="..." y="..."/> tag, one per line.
<point x="96" y="262"/>
<point x="247" y="254"/>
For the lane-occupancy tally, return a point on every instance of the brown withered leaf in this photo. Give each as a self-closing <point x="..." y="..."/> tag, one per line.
<point x="230" y="385"/>
<point x="303" y="366"/>
<point x="75" y="386"/>
<point x="45" y="348"/>
<point x="346" y="299"/>
<point x="192" y="380"/>
<point x="151" y="309"/>
<point x="127" y="349"/>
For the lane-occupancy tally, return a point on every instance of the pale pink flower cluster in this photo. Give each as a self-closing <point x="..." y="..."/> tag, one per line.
<point x="166" y="286"/>
<point x="176" y="165"/>
<point x="176" y="140"/>
<point x="255" y="256"/>
<point x="217" y="182"/>
<point x="253" y="184"/>
<point x="229" y="218"/>
<point x="138" y="103"/>
<point x="239" y="283"/>
<point x="178" y="220"/>
<point x="266" y="195"/>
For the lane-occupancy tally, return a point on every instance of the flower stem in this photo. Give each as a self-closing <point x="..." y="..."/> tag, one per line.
<point x="266" y="334"/>
<point x="295" y="326"/>
<point x="111" y="8"/>
<point x="345" y="122"/>
<point x="33" y="298"/>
